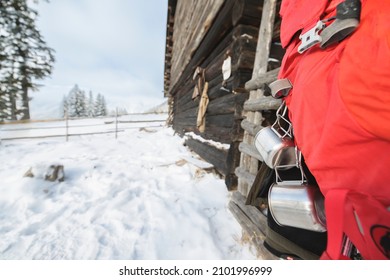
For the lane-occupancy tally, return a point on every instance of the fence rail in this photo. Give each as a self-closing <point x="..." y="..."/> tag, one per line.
<point x="74" y="127"/>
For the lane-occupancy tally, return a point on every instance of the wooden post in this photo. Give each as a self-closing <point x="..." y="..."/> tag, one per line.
<point x="116" y="123"/>
<point x="67" y="126"/>
<point x="249" y="163"/>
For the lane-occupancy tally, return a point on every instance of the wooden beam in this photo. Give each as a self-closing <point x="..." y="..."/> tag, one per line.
<point x="251" y="128"/>
<point x="255" y="235"/>
<point x="209" y="153"/>
<point x="245" y="175"/>
<point x="250" y="8"/>
<point x="258" y="218"/>
<point x="262" y="103"/>
<point x="253" y="222"/>
<point x="250" y="150"/>
<point x="266" y="78"/>
<point x="196" y="16"/>
<point x="193" y="23"/>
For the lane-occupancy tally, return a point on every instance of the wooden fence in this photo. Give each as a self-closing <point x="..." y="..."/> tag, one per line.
<point x="63" y="128"/>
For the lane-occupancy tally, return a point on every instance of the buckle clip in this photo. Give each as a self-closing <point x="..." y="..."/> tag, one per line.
<point x="311" y="37"/>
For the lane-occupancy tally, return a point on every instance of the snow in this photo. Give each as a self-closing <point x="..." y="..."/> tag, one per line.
<point x="141" y="196"/>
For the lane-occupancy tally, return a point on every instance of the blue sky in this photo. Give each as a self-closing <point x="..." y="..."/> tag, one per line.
<point x="113" y="47"/>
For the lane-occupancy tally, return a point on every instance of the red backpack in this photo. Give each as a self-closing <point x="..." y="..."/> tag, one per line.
<point x="339" y="106"/>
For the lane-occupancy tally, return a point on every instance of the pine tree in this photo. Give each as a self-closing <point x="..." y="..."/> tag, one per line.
<point x="71" y="101"/>
<point x="103" y="109"/>
<point x="100" y="106"/>
<point x="80" y="105"/>
<point x="77" y="105"/>
<point x="90" y="105"/>
<point x="24" y="57"/>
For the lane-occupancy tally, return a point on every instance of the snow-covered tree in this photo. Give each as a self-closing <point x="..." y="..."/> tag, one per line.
<point x="78" y="105"/>
<point x="100" y="106"/>
<point x="90" y="105"/>
<point x="24" y="57"/>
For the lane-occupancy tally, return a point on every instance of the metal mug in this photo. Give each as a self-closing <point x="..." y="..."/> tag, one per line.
<point x="297" y="205"/>
<point x="274" y="149"/>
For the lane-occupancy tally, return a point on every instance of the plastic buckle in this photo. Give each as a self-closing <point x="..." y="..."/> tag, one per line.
<point x="311" y="37"/>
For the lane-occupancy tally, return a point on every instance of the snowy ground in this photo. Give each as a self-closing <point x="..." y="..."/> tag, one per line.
<point x="137" y="197"/>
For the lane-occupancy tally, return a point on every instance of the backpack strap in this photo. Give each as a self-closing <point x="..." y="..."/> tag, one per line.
<point x="360" y="219"/>
<point x="334" y="206"/>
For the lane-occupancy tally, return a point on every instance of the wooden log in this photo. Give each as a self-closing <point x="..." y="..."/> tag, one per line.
<point x="225" y="104"/>
<point x="262" y="103"/>
<point x="243" y="54"/>
<point x="240" y="78"/>
<point x="185" y="121"/>
<point x="251" y="151"/>
<point x="212" y="131"/>
<point x="219" y="29"/>
<point x="181" y="129"/>
<point x="215" y="32"/>
<point x="213" y="73"/>
<point x="232" y="161"/>
<point x="251" y="128"/>
<point x="209" y="153"/>
<point x="250" y="8"/>
<point x="266" y="78"/>
<point x="196" y="16"/>
<point x="226" y="45"/>
<point x="221" y="120"/>
<point x="256" y="236"/>
<point x="258" y="218"/>
<point x="242" y="174"/>
<point x="221" y="135"/>
<point x="189" y="113"/>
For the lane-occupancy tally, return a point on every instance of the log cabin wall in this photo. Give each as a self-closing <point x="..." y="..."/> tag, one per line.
<point x="205" y="33"/>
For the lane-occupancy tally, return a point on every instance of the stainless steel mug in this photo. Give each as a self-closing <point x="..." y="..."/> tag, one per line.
<point x="274" y="149"/>
<point x="297" y="205"/>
